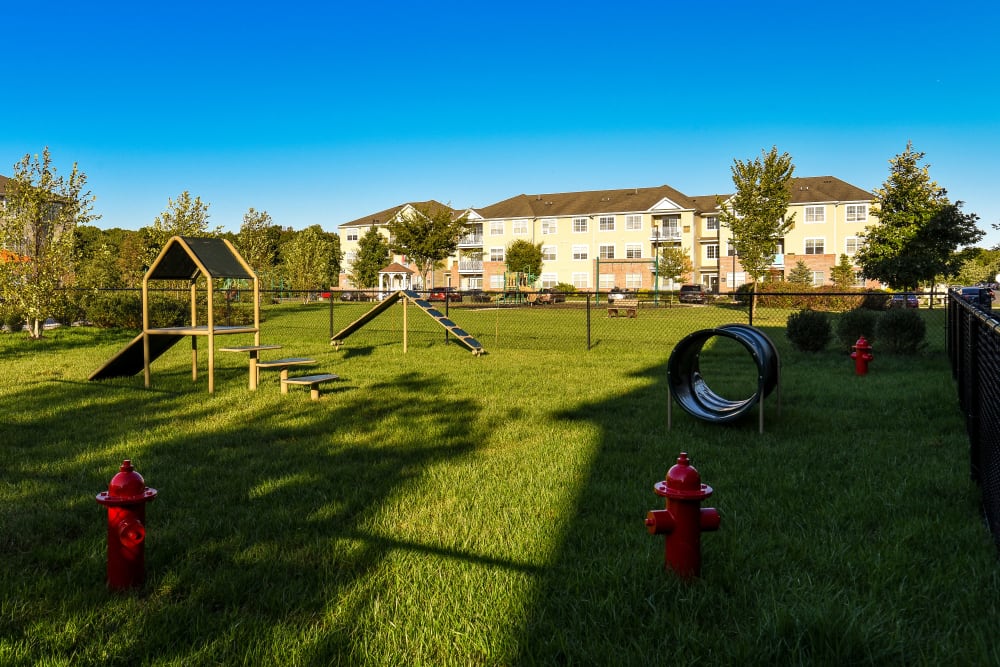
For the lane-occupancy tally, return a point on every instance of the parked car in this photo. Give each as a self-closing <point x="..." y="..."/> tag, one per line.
<point x="904" y="300"/>
<point x="692" y="294"/>
<point x="617" y="293"/>
<point x="350" y="295"/>
<point x="478" y="296"/>
<point x="979" y="296"/>
<point x="444" y="294"/>
<point x="548" y="295"/>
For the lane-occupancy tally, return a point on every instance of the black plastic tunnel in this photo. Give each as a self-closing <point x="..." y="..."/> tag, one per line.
<point x="692" y="393"/>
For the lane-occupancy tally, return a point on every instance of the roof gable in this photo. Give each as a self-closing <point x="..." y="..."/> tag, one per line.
<point x="185" y="257"/>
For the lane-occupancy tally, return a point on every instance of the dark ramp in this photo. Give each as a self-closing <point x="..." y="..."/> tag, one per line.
<point x="379" y="308"/>
<point x="129" y="361"/>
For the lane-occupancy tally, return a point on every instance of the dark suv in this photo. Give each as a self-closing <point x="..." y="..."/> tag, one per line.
<point x="692" y="294"/>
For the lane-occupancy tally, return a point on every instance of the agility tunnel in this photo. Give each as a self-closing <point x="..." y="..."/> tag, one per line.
<point x="692" y="393"/>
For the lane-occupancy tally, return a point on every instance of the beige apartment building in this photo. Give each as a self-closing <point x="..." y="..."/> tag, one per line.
<point x="608" y="238"/>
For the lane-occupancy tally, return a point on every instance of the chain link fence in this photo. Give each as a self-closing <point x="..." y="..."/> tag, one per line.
<point x="973" y="343"/>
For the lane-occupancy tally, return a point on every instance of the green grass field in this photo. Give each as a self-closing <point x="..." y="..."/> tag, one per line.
<point x="434" y="508"/>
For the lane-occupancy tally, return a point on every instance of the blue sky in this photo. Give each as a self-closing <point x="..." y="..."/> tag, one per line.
<point x="321" y="113"/>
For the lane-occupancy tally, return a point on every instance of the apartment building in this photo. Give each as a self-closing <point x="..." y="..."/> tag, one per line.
<point x="609" y="238"/>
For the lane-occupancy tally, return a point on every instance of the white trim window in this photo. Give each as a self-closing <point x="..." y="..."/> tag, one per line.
<point x="818" y="278"/>
<point x="581" y="252"/>
<point x="633" y="281"/>
<point x="549" y="227"/>
<point x="815" y="214"/>
<point x="520" y="227"/>
<point x="550" y="279"/>
<point x="581" y="280"/>
<point x="633" y="251"/>
<point x="712" y="223"/>
<point x="496" y="254"/>
<point x="351" y="235"/>
<point x="606" y="281"/>
<point x="496" y="281"/>
<point x="496" y="227"/>
<point x="856" y="212"/>
<point x="549" y="253"/>
<point x="606" y="223"/>
<point x="633" y="223"/>
<point x="730" y="249"/>
<point x="815" y="246"/>
<point x="580" y="225"/>
<point x="851" y="245"/>
<point x="606" y="251"/>
<point x="712" y="251"/>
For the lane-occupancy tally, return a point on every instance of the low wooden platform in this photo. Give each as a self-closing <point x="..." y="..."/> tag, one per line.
<point x="627" y="307"/>
<point x="283" y="365"/>
<point x="312" y="381"/>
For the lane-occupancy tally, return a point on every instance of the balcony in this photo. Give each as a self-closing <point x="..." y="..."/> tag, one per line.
<point x="470" y="265"/>
<point x="666" y="235"/>
<point x="471" y="241"/>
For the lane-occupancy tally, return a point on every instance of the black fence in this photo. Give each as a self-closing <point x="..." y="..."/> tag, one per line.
<point x="973" y="342"/>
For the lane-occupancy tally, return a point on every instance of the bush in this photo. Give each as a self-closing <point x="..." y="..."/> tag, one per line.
<point x="165" y="311"/>
<point x="854" y="324"/>
<point x="808" y="330"/>
<point x="116" y="309"/>
<point x="901" y="330"/>
<point x="12" y="318"/>
<point x="67" y="307"/>
<point x="565" y="288"/>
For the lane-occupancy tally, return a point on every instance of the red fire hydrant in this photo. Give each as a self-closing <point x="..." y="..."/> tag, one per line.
<point x="862" y="355"/>
<point x="126" y="500"/>
<point x="683" y="520"/>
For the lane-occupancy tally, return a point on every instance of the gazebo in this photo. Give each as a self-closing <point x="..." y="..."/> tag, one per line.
<point x="394" y="278"/>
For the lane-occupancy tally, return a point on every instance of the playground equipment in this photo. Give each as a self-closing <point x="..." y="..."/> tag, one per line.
<point x="684" y="520"/>
<point x="126" y="500"/>
<point x="518" y="287"/>
<point x="185" y="258"/>
<point x="409" y="296"/>
<point x="687" y="386"/>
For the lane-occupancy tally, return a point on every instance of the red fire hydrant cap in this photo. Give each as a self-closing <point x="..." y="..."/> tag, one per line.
<point x="862" y="343"/>
<point x="683" y="481"/>
<point x="127" y="487"/>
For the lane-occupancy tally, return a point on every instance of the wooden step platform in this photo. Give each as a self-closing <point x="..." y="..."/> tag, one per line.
<point x="284" y="364"/>
<point x="312" y="381"/>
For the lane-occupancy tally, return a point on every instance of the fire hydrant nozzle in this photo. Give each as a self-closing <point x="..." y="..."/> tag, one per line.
<point x="683" y="520"/>
<point x="862" y="355"/>
<point x="126" y="500"/>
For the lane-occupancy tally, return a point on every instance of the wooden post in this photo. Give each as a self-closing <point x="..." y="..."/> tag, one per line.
<point x="406" y="300"/>
<point x="145" y="330"/>
<point x="194" y="339"/>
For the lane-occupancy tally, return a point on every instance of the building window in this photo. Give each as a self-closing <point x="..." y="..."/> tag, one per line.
<point x="496" y="254"/>
<point x="496" y="281"/>
<point x="633" y="222"/>
<point x="633" y="251"/>
<point x="352" y="235"/>
<point x="520" y="227"/>
<point x="549" y="227"/>
<point x="606" y="223"/>
<point x="580" y="280"/>
<point x="580" y="252"/>
<point x="549" y="253"/>
<point x="476" y="282"/>
<point x="496" y="228"/>
<point x="579" y="224"/>
<point x="818" y="278"/>
<point x="633" y="281"/>
<point x="815" y="246"/>
<point x="606" y="251"/>
<point x="712" y="251"/>
<point x="550" y="279"/>
<point x="712" y="223"/>
<point x="730" y="249"/>
<point x="857" y="212"/>
<point x="851" y="245"/>
<point x="606" y="281"/>
<point x="815" y="214"/>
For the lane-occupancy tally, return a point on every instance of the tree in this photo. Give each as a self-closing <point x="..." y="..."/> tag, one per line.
<point x="673" y="263"/>
<point x="524" y="256"/>
<point x="801" y="274"/>
<point x="756" y="214"/>
<point x="37" y="224"/>
<point x="372" y="257"/>
<point x="257" y="241"/>
<point x="918" y="228"/>
<point x="842" y="274"/>
<point x="426" y="234"/>
<point x="183" y="217"/>
<point x="307" y="259"/>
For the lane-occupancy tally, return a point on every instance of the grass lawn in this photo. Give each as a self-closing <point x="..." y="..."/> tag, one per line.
<point x="434" y="508"/>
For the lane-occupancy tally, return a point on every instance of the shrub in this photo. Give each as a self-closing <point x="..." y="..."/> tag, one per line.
<point x="808" y="330"/>
<point x="901" y="330"/>
<point x="116" y="309"/>
<point x="67" y="307"/>
<point x="565" y="288"/>
<point x="12" y="318"/>
<point x="854" y="324"/>
<point x="165" y="311"/>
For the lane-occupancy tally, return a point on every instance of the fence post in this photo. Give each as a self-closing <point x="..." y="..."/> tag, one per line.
<point x="588" y="320"/>
<point x="331" y="316"/>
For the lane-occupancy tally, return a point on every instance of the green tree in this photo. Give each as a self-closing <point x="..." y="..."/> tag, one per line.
<point x="524" y="256"/>
<point x="673" y="263"/>
<point x="801" y="274"/>
<point x="757" y="214"/>
<point x="426" y="235"/>
<point x="372" y="257"/>
<point x="182" y="217"/>
<point x="41" y="212"/>
<point x="842" y="274"/>
<point x="978" y="265"/>
<point x="918" y="229"/>
<point x="307" y="260"/>
<point x="257" y="242"/>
